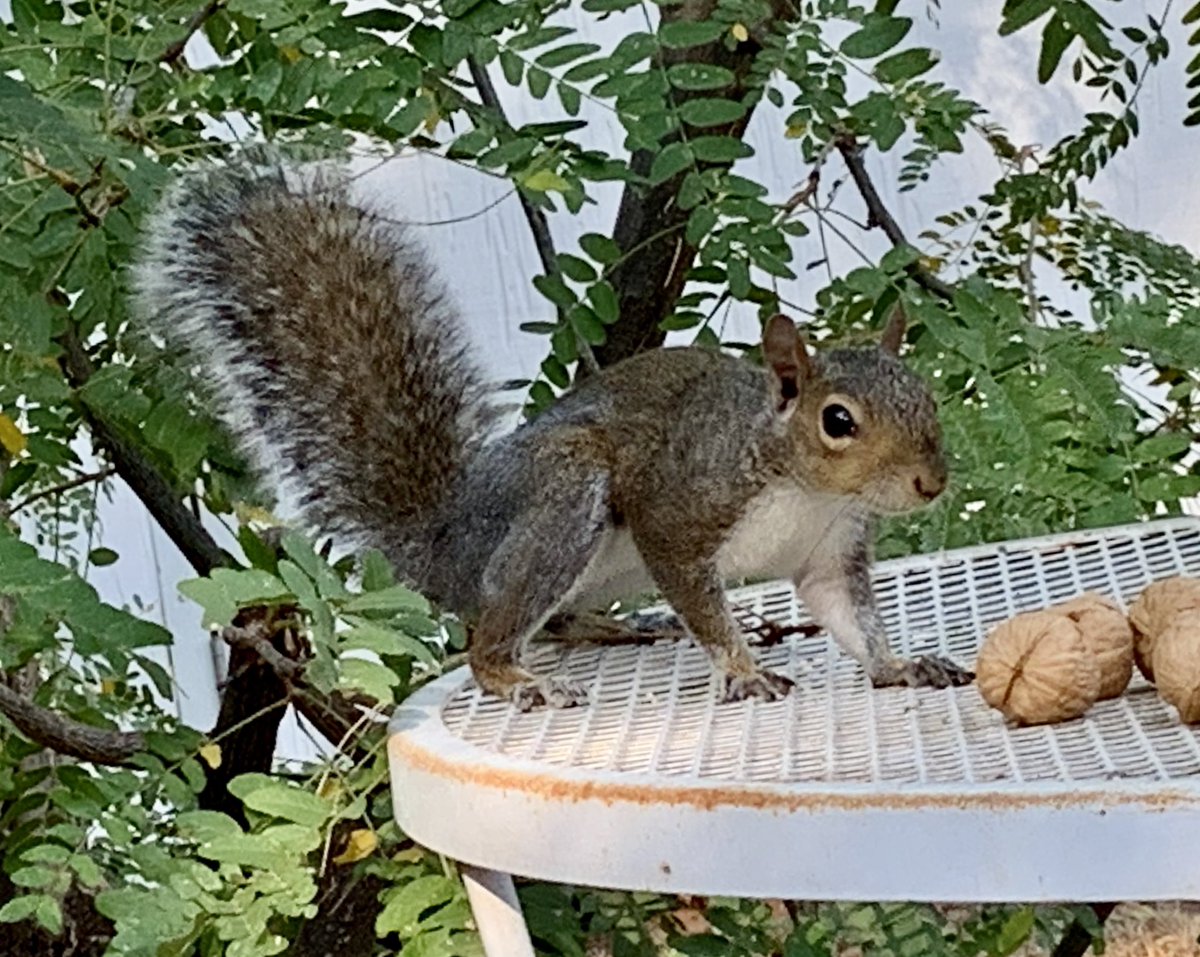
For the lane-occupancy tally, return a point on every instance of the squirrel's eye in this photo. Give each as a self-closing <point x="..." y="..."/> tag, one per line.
<point x="837" y="422"/>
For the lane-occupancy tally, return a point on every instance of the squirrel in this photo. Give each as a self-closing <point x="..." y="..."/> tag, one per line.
<point x="340" y="363"/>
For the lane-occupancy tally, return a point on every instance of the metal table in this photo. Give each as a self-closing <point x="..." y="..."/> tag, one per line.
<point x="839" y="791"/>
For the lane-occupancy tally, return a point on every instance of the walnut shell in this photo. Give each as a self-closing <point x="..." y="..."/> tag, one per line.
<point x="1152" y="613"/>
<point x="1106" y="630"/>
<point x="1037" y="668"/>
<point x="1177" y="665"/>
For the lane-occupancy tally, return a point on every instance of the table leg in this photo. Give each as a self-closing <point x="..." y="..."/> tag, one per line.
<point x="497" y="912"/>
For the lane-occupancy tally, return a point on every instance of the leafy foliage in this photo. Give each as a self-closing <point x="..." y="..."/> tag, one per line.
<point x="1065" y="348"/>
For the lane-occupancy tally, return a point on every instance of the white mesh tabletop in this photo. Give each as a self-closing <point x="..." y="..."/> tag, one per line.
<point x="839" y="790"/>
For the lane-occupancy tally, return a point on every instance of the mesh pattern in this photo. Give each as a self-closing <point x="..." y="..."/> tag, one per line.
<point x="654" y="708"/>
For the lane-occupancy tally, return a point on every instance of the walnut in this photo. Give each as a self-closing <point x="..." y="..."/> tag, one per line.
<point x="1106" y="630"/>
<point x="1177" y="665"/>
<point x="1152" y="613"/>
<point x="1038" y="668"/>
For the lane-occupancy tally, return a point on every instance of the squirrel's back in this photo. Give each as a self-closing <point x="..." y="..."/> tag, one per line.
<point x="335" y="352"/>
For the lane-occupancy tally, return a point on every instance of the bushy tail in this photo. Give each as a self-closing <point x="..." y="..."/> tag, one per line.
<point x="333" y="348"/>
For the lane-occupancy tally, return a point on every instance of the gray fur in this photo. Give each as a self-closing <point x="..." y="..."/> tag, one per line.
<point x="338" y="360"/>
<point x="321" y="328"/>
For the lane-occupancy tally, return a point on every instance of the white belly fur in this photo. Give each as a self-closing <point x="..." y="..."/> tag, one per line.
<point x="781" y="530"/>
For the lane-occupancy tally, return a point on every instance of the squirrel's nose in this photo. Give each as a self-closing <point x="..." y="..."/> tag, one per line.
<point x="930" y="484"/>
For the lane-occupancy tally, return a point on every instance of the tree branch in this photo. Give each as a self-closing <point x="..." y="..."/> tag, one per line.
<point x="180" y="525"/>
<point x="64" y="736"/>
<point x="649" y="219"/>
<point x="199" y="18"/>
<point x="878" y="215"/>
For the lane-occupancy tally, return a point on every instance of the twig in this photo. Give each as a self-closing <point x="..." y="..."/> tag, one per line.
<point x="90" y="477"/>
<point x="808" y="189"/>
<point x="534" y="216"/>
<point x="199" y="18"/>
<point x="770" y="632"/>
<point x="1026" y="269"/>
<point x="878" y="215"/>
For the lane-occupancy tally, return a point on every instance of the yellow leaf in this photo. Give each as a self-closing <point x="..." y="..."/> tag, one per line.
<point x="211" y="753"/>
<point x="740" y="33"/>
<point x="247" y="513"/>
<point x="108" y="685"/>
<point x="11" y="437"/>
<point x="1049" y="225"/>
<point x="544" y="180"/>
<point x="795" y="131"/>
<point x="330" y="789"/>
<point x="291" y="54"/>
<point x="361" y="843"/>
<point x="931" y="263"/>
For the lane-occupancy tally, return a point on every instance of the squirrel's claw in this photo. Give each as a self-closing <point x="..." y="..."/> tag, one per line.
<point x="764" y="685"/>
<point x="555" y="692"/>
<point x="927" y="671"/>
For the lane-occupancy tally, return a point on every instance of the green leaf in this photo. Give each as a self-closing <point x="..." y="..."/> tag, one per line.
<point x="265" y="82"/>
<point x="699" y="76"/>
<point x="1015" y="932"/>
<point x="19" y="908"/>
<point x="561" y="56"/>
<point x="685" y="33"/>
<point x="404" y="906"/>
<point x="1055" y="40"/>
<point x="1162" y="448"/>
<point x="382" y="640"/>
<point x="671" y="160"/>
<point x="277" y="799"/>
<point x="1022" y="13"/>
<point x="905" y="65"/>
<point x="711" y="112"/>
<point x="397" y="598"/>
<point x="102" y="556"/>
<point x="554" y="289"/>
<point x="876" y="36"/>
<point x="538" y="81"/>
<point x="603" y="298"/>
<point x="370" y="677"/>
<point x="226" y="590"/>
<point x="512" y="66"/>
<point x="700" y="224"/>
<point x="575" y="268"/>
<point x="570" y="99"/>
<point x="720" y="149"/>
<point x="600" y="248"/>
<point x="49" y="915"/>
<point x="585" y="322"/>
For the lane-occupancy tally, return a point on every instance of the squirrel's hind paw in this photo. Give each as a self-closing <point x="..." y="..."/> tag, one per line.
<point x="555" y="692"/>
<point x="764" y="685"/>
<point x="928" y="671"/>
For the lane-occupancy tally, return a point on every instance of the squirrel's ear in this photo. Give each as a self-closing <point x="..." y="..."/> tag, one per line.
<point x="893" y="335"/>
<point x="785" y="357"/>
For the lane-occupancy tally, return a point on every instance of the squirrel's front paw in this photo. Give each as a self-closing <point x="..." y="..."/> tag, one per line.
<point x="928" y="671"/>
<point x="764" y="685"/>
<point x="554" y="692"/>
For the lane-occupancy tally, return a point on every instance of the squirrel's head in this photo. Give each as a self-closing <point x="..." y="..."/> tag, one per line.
<point x="861" y="423"/>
